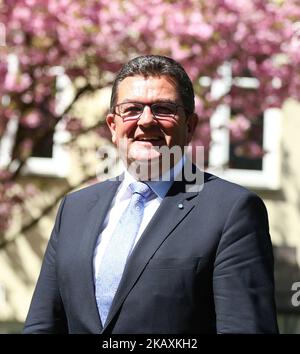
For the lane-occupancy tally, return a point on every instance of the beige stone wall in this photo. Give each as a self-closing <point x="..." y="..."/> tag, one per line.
<point x="20" y="261"/>
<point x="284" y="205"/>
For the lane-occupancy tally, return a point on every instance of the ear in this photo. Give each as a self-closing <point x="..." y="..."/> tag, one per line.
<point x="192" y="122"/>
<point x="110" y="121"/>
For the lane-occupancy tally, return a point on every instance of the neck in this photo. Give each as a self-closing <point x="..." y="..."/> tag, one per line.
<point x="155" y="170"/>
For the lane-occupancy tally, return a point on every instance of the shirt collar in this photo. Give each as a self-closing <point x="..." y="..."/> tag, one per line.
<point x="162" y="186"/>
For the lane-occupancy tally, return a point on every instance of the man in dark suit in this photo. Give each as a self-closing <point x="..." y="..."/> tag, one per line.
<point x="200" y="260"/>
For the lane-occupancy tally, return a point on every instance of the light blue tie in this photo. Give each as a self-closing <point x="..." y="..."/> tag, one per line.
<point x="119" y="248"/>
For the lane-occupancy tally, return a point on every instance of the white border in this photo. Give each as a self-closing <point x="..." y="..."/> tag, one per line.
<point x="59" y="164"/>
<point x="56" y="166"/>
<point x="269" y="177"/>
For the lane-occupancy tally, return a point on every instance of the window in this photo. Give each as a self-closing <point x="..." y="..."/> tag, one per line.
<point x="50" y="157"/>
<point x="258" y="173"/>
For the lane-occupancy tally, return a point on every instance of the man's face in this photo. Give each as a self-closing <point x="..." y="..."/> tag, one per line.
<point x="142" y="136"/>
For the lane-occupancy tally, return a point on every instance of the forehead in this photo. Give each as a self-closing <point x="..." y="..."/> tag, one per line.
<point x="147" y="89"/>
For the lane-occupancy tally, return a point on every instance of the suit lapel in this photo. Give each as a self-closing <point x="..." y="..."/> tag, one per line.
<point x="171" y="213"/>
<point x="96" y="214"/>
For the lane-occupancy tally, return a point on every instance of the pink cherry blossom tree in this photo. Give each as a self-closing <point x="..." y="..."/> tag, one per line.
<point x="90" y="40"/>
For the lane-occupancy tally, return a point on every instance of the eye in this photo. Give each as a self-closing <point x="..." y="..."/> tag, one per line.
<point x="130" y="110"/>
<point x="164" y="109"/>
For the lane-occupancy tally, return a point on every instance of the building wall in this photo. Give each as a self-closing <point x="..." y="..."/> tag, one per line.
<point x="284" y="217"/>
<point x="284" y="205"/>
<point x="21" y="259"/>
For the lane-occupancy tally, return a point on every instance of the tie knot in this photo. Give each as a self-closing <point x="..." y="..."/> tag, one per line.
<point x="140" y="188"/>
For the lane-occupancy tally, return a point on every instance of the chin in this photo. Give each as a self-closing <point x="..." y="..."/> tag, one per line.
<point x="145" y="164"/>
<point x="143" y="155"/>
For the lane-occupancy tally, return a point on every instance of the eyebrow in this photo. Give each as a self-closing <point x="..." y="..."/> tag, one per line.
<point x="160" y="100"/>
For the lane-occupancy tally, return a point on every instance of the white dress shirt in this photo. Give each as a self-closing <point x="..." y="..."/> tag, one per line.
<point x="119" y="204"/>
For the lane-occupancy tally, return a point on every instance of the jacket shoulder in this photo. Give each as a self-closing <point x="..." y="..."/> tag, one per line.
<point x="91" y="191"/>
<point x="218" y="186"/>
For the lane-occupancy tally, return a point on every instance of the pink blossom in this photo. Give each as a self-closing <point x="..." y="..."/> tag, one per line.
<point x="90" y="40"/>
<point x="31" y="120"/>
<point x="239" y="125"/>
<point x="17" y="83"/>
<point x="254" y="150"/>
<point x="74" y="125"/>
<point x="3" y="72"/>
<point x="21" y="13"/>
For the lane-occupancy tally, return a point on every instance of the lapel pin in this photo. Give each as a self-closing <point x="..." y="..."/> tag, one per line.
<point x="180" y="206"/>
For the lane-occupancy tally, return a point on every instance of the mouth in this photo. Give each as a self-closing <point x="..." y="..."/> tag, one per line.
<point x="154" y="140"/>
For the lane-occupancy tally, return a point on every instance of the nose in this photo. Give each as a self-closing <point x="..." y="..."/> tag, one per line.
<point x="147" y="118"/>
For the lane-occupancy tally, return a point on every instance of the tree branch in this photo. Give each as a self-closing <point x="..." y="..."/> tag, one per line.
<point x="4" y="243"/>
<point x="41" y="135"/>
<point x="87" y="130"/>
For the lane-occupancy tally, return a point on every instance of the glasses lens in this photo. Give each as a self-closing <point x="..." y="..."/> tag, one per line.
<point x="133" y="110"/>
<point x="164" y="109"/>
<point x="129" y="110"/>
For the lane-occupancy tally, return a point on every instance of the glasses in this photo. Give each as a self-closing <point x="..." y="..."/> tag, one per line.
<point x="134" y="110"/>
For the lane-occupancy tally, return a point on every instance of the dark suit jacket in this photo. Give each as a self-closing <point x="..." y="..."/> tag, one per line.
<point x="205" y="268"/>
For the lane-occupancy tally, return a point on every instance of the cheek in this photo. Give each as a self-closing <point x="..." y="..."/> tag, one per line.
<point x="125" y="129"/>
<point x="174" y="132"/>
<point x="168" y="126"/>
